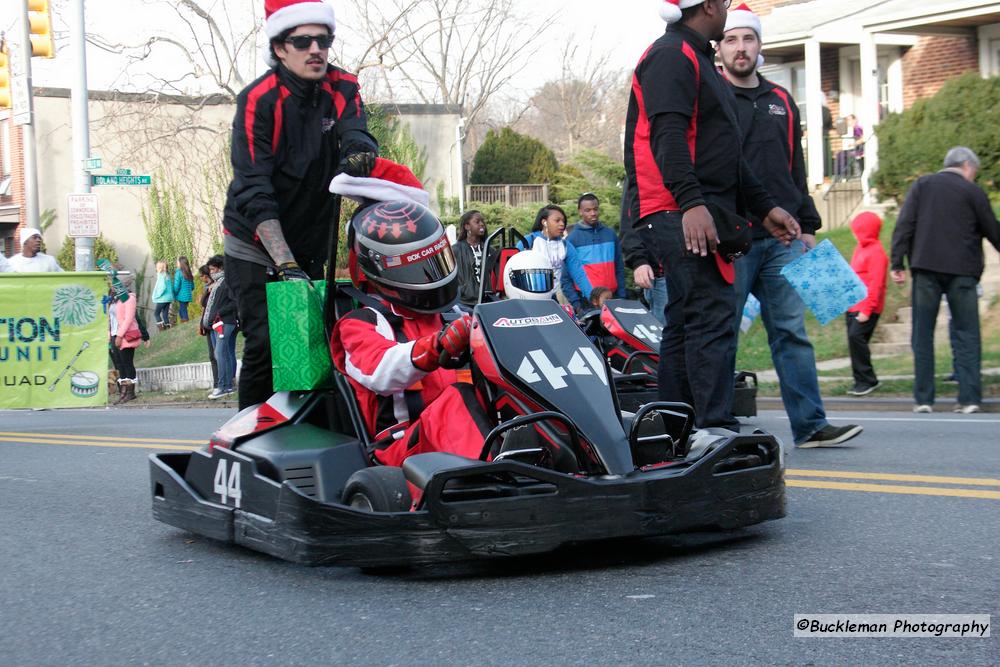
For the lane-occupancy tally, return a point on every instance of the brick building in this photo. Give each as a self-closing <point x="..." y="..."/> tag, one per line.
<point x="871" y="58"/>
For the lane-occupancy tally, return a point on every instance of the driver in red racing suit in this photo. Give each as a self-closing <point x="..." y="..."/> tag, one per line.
<point x="397" y="352"/>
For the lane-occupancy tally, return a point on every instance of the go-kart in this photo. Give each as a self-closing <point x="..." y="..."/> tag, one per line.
<point x="629" y="336"/>
<point x="295" y="477"/>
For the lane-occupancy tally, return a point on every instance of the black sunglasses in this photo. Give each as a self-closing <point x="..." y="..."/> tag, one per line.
<point x="303" y="42"/>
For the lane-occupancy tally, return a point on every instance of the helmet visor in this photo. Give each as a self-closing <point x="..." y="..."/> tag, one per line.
<point x="536" y="281"/>
<point x="420" y="267"/>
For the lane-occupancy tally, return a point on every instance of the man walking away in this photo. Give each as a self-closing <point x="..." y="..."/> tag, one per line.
<point x="772" y="143"/>
<point x="683" y="153"/>
<point x="940" y="233"/>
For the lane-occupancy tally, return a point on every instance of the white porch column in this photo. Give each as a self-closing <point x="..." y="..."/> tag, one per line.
<point x="869" y="109"/>
<point x="814" y="114"/>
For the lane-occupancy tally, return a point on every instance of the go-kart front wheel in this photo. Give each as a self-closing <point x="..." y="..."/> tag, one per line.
<point x="378" y="489"/>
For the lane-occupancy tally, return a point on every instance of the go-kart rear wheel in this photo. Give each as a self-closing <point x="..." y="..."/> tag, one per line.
<point x="378" y="489"/>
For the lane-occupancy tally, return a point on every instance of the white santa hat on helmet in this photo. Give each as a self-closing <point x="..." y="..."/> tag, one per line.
<point x="389" y="181"/>
<point x="670" y="10"/>
<point x="282" y="15"/>
<point x="743" y="17"/>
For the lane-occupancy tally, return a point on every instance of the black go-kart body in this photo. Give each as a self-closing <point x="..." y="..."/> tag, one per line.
<point x="273" y="479"/>
<point x="629" y="336"/>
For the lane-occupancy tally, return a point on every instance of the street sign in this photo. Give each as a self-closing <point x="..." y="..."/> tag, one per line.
<point x="123" y="172"/>
<point x="20" y="99"/>
<point x="115" y="179"/>
<point x="92" y="163"/>
<point x="83" y="217"/>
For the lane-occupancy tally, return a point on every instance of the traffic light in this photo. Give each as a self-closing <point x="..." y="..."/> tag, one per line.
<point x="5" y="96"/>
<point x="40" y="18"/>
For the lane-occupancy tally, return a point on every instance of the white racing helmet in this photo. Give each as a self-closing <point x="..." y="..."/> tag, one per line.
<point x="529" y="275"/>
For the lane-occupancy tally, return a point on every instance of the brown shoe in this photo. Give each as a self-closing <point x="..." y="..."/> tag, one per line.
<point x="129" y="393"/>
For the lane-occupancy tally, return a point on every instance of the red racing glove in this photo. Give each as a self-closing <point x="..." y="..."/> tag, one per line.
<point x="443" y="349"/>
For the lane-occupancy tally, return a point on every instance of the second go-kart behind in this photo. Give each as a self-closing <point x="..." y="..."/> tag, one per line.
<point x="298" y="476"/>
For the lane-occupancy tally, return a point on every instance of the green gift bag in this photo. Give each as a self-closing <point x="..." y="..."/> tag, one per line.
<point x="300" y="352"/>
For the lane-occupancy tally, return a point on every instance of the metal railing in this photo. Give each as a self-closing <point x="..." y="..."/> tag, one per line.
<point x="511" y="195"/>
<point x="841" y="200"/>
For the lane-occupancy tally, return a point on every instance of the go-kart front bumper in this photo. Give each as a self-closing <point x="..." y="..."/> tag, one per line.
<point x="712" y="492"/>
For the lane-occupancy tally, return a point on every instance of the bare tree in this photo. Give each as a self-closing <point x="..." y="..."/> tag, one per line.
<point x="583" y="108"/>
<point x="461" y="52"/>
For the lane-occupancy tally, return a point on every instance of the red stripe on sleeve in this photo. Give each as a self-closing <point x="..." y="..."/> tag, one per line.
<point x="261" y="89"/>
<point x="692" y="135"/>
<point x="791" y="125"/>
<point x="279" y="115"/>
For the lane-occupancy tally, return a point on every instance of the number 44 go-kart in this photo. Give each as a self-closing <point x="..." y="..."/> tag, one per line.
<point x="295" y="477"/>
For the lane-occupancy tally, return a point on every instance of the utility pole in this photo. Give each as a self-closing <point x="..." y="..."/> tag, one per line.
<point x="26" y="119"/>
<point x="81" y="125"/>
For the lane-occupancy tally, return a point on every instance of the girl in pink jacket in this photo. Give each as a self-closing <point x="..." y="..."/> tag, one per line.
<point x="124" y="337"/>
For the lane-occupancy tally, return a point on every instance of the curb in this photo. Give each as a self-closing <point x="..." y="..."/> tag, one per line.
<point x="896" y="404"/>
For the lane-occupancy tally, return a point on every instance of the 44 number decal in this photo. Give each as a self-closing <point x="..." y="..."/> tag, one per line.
<point x="228" y="486"/>
<point x="536" y="365"/>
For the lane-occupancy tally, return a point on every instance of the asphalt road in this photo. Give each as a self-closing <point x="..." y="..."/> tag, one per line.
<point x="87" y="577"/>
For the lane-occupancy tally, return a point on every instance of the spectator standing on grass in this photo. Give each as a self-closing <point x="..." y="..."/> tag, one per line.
<point x="547" y="237"/>
<point x="469" y="248"/>
<point x="871" y="264"/>
<point x="163" y="296"/>
<point x="183" y="287"/>
<point x="771" y="129"/>
<point x="599" y="252"/>
<point x="204" y="327"/>
<point x="220" y="313"/>
<point x="939" y="234"/>
<point x="640" y="254"/>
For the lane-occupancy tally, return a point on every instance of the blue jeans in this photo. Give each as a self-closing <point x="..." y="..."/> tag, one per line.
<point x="182" y="310"/>
<point x="783" y="313"/>
<point x="963" y="302"/>
<point x="162" y="313"/>
<point x="225" y="356"/>
<point x="657" y="299"/>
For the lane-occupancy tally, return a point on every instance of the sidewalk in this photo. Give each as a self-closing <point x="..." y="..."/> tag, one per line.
<point x="873" y="401"/>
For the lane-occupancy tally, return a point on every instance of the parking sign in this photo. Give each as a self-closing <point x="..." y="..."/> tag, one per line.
<point x="83" y="217"/>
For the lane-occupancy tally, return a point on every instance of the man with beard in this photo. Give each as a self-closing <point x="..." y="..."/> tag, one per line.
<point x="295" y="128"/>
<point x="772" y="143"/>
<point x="683" y="155"/>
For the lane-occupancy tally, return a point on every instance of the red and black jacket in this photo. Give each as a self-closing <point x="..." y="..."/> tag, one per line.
<point x="772" y="145"/>
<point x="682" y="140"/>
<point x="289" y="135"/>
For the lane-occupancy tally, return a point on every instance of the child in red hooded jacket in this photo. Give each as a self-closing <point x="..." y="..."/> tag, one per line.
<point x="871" y="264"/>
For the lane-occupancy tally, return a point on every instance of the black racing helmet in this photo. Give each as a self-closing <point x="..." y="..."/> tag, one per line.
<point x="402" y="250"/>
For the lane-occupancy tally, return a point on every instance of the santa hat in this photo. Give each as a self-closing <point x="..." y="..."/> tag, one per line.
<point x="743" y="17"/>
<point x="670" y="10"/>
<point x="389" y="181"/>
<point x="282" y="15"/>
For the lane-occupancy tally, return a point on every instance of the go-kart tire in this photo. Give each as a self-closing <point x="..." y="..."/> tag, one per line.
<point x="378" y="489"/>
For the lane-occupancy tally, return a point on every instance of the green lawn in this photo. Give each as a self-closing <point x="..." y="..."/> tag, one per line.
<point x="179" y="344"/>
<point x="830" y="341"/>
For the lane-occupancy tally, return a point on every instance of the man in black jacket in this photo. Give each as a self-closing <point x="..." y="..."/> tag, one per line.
<point x="940" y="233"/>
<point x="772" y="143"/>
<point x="295" y="128"/>
<point x="683" y="153"/>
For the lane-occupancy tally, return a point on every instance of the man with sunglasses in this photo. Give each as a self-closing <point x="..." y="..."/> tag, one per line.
<point x="688" y="182"/>
<point x="295" y="128"/>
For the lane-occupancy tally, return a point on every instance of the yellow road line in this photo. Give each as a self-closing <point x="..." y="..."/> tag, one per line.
<point x="101" y="438"/>
<point x="96" y="443"/>
<point x="894" y="488"/>
<point x="890" y="477"/>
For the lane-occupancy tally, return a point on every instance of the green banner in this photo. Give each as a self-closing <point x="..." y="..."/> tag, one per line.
<point x="53" y="340"/>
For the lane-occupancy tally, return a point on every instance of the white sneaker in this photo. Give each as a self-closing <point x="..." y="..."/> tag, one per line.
<point x="923" y="409"/>
<point x="967" y="409"/>
<point x="216" y="393"/>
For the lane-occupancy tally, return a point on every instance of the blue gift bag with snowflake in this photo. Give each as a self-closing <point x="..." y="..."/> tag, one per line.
<point x="825" y="281"/>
